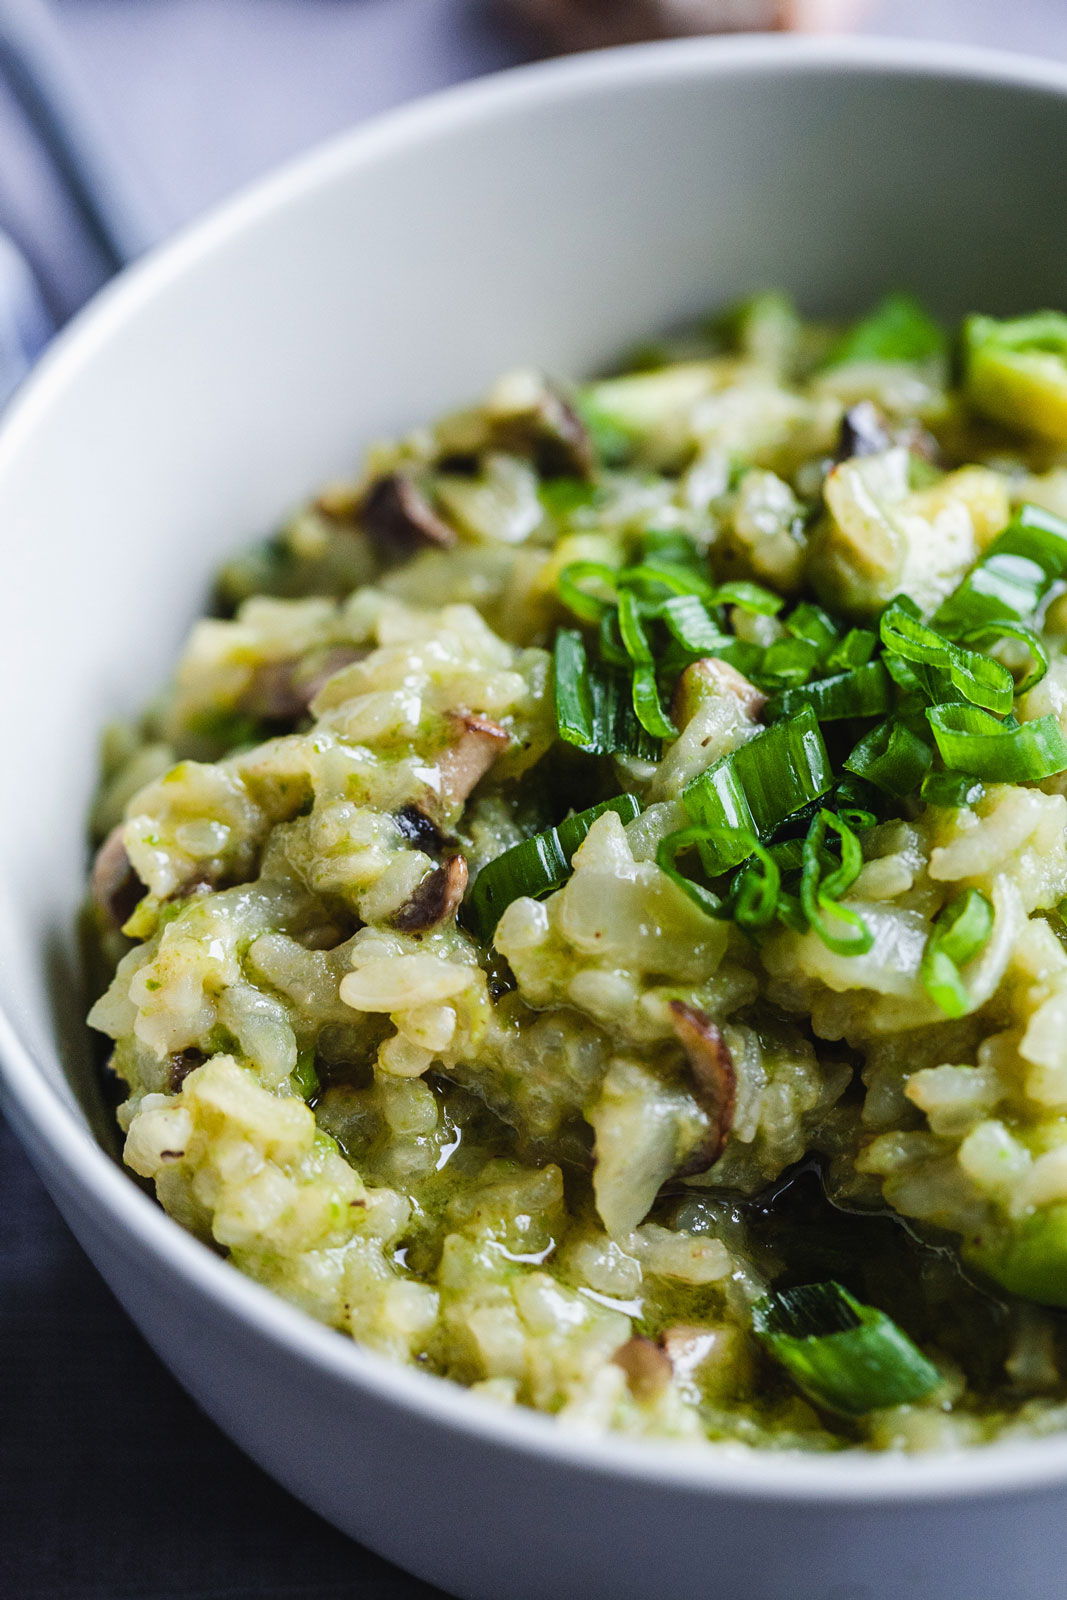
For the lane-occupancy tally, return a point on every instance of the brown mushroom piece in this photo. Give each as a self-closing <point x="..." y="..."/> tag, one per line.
<point x="648" y="1368"/>
<point x="181" y="1064"/>
<point x="436" y="898"/>
<point x="399" y="519"/>
<point x="282" y="691"/>
<point x="532" y="417"/>
<point x="710" y="675"/>
<point x="714" y="1078"/>
<point x="418" y="827"/>
<point x="863" y="432"/>
<point x="115" y="887"/>
<point x="467" y="758"/>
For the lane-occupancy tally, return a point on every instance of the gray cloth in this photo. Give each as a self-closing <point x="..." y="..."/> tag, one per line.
<point x="112" y="1485"/>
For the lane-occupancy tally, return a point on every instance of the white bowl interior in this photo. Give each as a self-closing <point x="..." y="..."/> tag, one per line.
<point x="393" y="276"/>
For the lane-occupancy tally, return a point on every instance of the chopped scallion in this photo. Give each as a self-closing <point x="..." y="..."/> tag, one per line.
<point x="822" y="883"/>
<point x="845" y="1356"/>
<point x="535" y="867"/>
<point x="863" y="692"/>
<point x="757" y="786"/>
<point x="958" y="934"/>
<point x="892" y="756"/>
<point x="972" y="741"/>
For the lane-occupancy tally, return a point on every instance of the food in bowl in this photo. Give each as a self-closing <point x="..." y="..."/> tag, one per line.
<point x="584" y="917"/>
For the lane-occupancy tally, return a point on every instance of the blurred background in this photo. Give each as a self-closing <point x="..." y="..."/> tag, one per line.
<point x="203" y="95"/>
<point x="120" y="120"/>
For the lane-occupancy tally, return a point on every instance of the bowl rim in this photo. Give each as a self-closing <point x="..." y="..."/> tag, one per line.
<point x="61" y="1143"/>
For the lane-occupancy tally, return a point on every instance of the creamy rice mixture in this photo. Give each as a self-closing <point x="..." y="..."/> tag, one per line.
<point x="585" y="917"/>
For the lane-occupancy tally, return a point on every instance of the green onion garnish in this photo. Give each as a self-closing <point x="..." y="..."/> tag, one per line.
<point x="756" y="787"/>
<point x="1013" y="576"/>
<point x="753" y="898"/>
<point x="594" y="705"/>
<point x="1001" y="628"/>
<point x="951" y="789"/>
<point x="892" y="756"/>
<point x="972" y="741"/>
<point x="585" y="604"/>
<point x="304" y="1078"/>
<point x="958" y="934"/>
<point x="535" y="867"/>
<point x="823" y="882"/>
<point x="574" y="702"/>
<point x="863" y="692"/>
<point x="898" y="329"/>
<point x="697" y="632"/>
<point x="647" y="706"/>
<point x="980" y="680"/>
<point x="811" y="622"/>
<point x="854" y="650"/>
<point x="845" y="1356"/>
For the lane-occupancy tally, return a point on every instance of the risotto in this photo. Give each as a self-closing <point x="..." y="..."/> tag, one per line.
<point x="586" y="917"/>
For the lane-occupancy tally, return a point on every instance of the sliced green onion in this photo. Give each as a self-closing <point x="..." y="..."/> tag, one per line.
<point x="1014" y="575"/>
<point x="789" y="661"/>
<point x="811" y="622"/>
<point x="757" y="786"/>
<point x="821" y="890"/>
<point x="958" y="934"/>
<point x="594" y="703"/>
<point x="589" y="607"/>
<point x="687" y="618"/>
<point x="754" y="892"/>
<point x="680" y="579"/>
<point x="535" y="866"/>
<point x="892" y="757"/>
<point x="756" y="889"/>
<point x="748" y="597"/>
<point x="632" y="630"/>
<point x="845" y="1356"/>
<point x="668" y="546"/>
<point x="856" y="802"/>
<point x="648" y="707"/>
<point x="951" y="789"/>
<point x="615" y="724"/>
<point x="972" y="741"/>
<point x="304" y="1078"/>
<point x="898" y="329"/>
<point x="612" y="649"/>
<point x="863" y="692"/>
<point x="1001" y="628"/>
<point x="854" y="650"/>
<point x="574" y="702"/>
<point x="983" y="682"/>
<point x="667" y="853"/>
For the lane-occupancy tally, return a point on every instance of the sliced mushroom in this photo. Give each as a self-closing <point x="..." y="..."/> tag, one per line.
<point x="114" y="885"/>
<point x="436" y="898"/>
<point x="399" y="519"/>
<point x="710" y="675"/>
<point x="866" y="432"/>
<point x="530" y="416"/>
<point x="648" y="1368"/>
<point x="477" y="743"/>
<point x="714" y="1081"/>
<point x="181" y="1064"/>
<point x="863" y="432"/>
<point x="417" y="826"/>
<point x="282" y="691"/>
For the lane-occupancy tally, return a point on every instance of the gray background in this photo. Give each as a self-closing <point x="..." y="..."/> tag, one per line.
<point x="112" y="1485"/>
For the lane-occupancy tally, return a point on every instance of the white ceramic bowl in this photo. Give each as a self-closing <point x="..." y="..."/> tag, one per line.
<point x="552" y="215"/>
